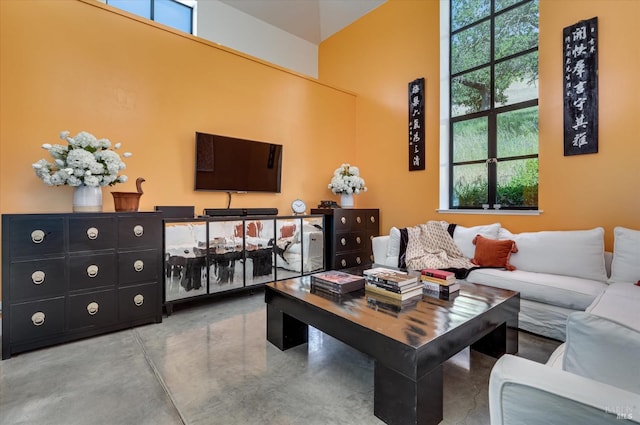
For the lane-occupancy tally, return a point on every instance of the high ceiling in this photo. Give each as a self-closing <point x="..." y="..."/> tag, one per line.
<point x="312" y="20"/>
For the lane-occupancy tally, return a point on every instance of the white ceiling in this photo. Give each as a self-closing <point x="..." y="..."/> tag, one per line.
<point x="312" y="20"/>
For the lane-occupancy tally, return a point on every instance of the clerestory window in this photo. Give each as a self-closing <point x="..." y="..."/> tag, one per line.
<point x="178" y="14"/>
<point x="493" y="104"/>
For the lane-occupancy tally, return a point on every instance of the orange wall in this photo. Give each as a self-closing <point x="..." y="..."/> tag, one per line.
<point x="80" y="65"/>
<point x="380" y="54"/>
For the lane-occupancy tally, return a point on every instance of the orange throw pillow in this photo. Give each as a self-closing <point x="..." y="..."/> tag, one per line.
<point x="287" y="230"/>
<point x="493" y="253"/>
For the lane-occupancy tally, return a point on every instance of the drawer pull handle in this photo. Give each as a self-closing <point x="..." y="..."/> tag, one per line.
<point x="37" y="236"/>
<point x="358" y="260"/>
<point x="37" y="277"/>
<point x="138" y="300"/>
<point x="343" y="241"/>
<point x="138" y="230"/>
<point x="38" y="318"/>
<point x="373" y="219"/>
<point x="92" y="308"/>
<point x="92" y="233"/>
<point x="343" y="220"/>
<point x="358" y="219"/>
<point x="343" y="262"/>
<point x="92" y="270"/>
<point x="358" y="240"/>
<point x="138" y="265"/>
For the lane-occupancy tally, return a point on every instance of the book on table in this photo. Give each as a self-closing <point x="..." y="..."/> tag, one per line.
<point x="371" y="288"/>
<point x="439" y="274"/>
<point x="337" y="281"/>
<point x="424" y="278"/>
<point x="390" y="276"/>
<point x="443" y="289"/>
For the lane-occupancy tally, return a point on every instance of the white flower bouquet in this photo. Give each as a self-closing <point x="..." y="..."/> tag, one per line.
<point x="347" y="180"/>
<point x="85" y="161"/>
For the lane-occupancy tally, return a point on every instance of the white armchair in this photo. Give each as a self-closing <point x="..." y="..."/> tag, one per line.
<point x="594" y="378"/>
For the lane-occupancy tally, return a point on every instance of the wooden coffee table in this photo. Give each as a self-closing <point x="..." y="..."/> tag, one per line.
<point x="409" y="346"/>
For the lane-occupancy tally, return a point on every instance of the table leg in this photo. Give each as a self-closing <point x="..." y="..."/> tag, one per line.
<point x="401" y="400"/>
<point x="284" y="331"/>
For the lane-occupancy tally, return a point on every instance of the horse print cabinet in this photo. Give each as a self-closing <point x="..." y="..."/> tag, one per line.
<point x="72" y="276"/>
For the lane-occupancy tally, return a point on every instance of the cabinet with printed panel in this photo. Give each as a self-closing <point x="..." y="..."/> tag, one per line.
<point x="348" y="235"/>
<point x="72" y="276"/>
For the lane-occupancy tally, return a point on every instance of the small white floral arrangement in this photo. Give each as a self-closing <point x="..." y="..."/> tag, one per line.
<point x="346" y="179"/>
<point x="85" y="161"/>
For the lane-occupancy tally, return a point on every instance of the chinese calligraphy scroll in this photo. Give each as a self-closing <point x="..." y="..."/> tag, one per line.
<point x="580" y="64"/>
<point x="416" y="125"/>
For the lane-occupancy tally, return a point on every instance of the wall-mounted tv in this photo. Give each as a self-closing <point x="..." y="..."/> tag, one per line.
<point x="229" y="164"/>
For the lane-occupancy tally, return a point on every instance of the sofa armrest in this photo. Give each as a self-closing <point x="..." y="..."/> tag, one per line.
<point x="525" y="392"/>
<point x="380" y="245"/>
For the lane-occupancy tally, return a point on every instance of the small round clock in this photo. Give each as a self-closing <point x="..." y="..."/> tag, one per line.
<point x="298" y="206"/>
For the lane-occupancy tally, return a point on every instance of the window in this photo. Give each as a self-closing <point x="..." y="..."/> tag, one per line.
<point x="493" y="104"/>
<point x="177" y="14"/>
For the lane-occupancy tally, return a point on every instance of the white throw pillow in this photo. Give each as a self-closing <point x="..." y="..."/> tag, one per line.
<point x="393" y="247"/>
<point x="463" y="236"/>
<point x="578" y="253"/>
<point x="625" y="266"/>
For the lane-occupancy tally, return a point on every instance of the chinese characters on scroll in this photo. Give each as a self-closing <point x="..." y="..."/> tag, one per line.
<point x="580" y="81"/>
<point x="416" y="125"/>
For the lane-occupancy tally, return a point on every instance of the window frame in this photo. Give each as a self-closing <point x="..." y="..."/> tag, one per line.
<point x="191" y="4"/>
<point x="491" y="114"/>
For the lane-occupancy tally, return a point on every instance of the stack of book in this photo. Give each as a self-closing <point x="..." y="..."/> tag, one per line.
<point x="441" y="282"/>
<point x="392" y="284"/>
<point x="336" y="282"/>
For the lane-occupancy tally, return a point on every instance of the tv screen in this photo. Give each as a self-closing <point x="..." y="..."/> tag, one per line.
<point x="228" y="164"/>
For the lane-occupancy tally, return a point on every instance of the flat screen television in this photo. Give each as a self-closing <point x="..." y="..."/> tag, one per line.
<point x="229" y="164"/>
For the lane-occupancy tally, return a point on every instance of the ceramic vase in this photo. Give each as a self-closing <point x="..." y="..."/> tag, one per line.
<point x="87" y="199"/>
<point x="346" y="200"/>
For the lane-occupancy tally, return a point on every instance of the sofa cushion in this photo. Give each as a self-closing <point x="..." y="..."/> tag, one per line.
<point x="493" y="252"/>
<point x="620" y="302"/>
<point x="393" y="247"/>
<point x="463" y="236"/>
<point x="563" y="291"/>
<point x="625" y="266"/>
<point x="603" y="350"/>
<point x="578" y="253"/>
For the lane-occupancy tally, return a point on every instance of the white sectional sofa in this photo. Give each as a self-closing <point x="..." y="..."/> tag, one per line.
<point x="557" y="272"/>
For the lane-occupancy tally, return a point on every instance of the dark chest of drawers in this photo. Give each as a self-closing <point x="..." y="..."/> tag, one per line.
<point x="348" y="234"/>
<point x="72" y="276"/>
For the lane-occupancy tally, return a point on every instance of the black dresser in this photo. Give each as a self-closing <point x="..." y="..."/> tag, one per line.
<point x="72" y="276"/>
<point x="348" y="234"/>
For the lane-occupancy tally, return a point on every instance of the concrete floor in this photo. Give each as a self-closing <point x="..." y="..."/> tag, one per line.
<point x="211" y="364"/>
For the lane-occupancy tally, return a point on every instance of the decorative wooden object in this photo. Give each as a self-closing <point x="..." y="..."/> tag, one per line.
<point x="128" y="201"/>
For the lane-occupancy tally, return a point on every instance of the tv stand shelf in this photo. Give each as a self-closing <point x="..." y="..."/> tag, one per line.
<point x="211" y="255"/>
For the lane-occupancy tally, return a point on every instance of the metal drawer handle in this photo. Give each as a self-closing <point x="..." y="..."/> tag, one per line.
<point x="92" y="233"/>
<point x="373" y="219"/>
<point x="138" y="265"/>
<point x="358" y="260"/>
<point x="138" y="230"/>
<point x="38" y="318"/>
<point x="343" y="262"/>
<point x="359" y="219"/>
<point x="343" y="220"/>
<point x="358" y="240"/>
<point x="92" y="308"/>
<point x="138" y="300"/>
<point x="37" y="236"/>
<point x="37" y="277"/>
<point x="92" y="270"/>
<point x="343" y="241"/>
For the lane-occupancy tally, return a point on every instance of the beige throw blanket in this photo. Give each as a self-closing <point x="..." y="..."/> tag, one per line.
<point x="431" y="246"/>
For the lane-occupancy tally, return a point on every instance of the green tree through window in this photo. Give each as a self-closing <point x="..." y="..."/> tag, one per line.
<point x="493" y="103"/>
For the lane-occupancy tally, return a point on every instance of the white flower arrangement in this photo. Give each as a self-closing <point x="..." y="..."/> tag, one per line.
<point x="85" y="161"/>
<point x="346" y="179"/>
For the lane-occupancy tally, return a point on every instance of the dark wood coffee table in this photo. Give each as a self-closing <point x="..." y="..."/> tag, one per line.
<point x="409" y="346"/>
